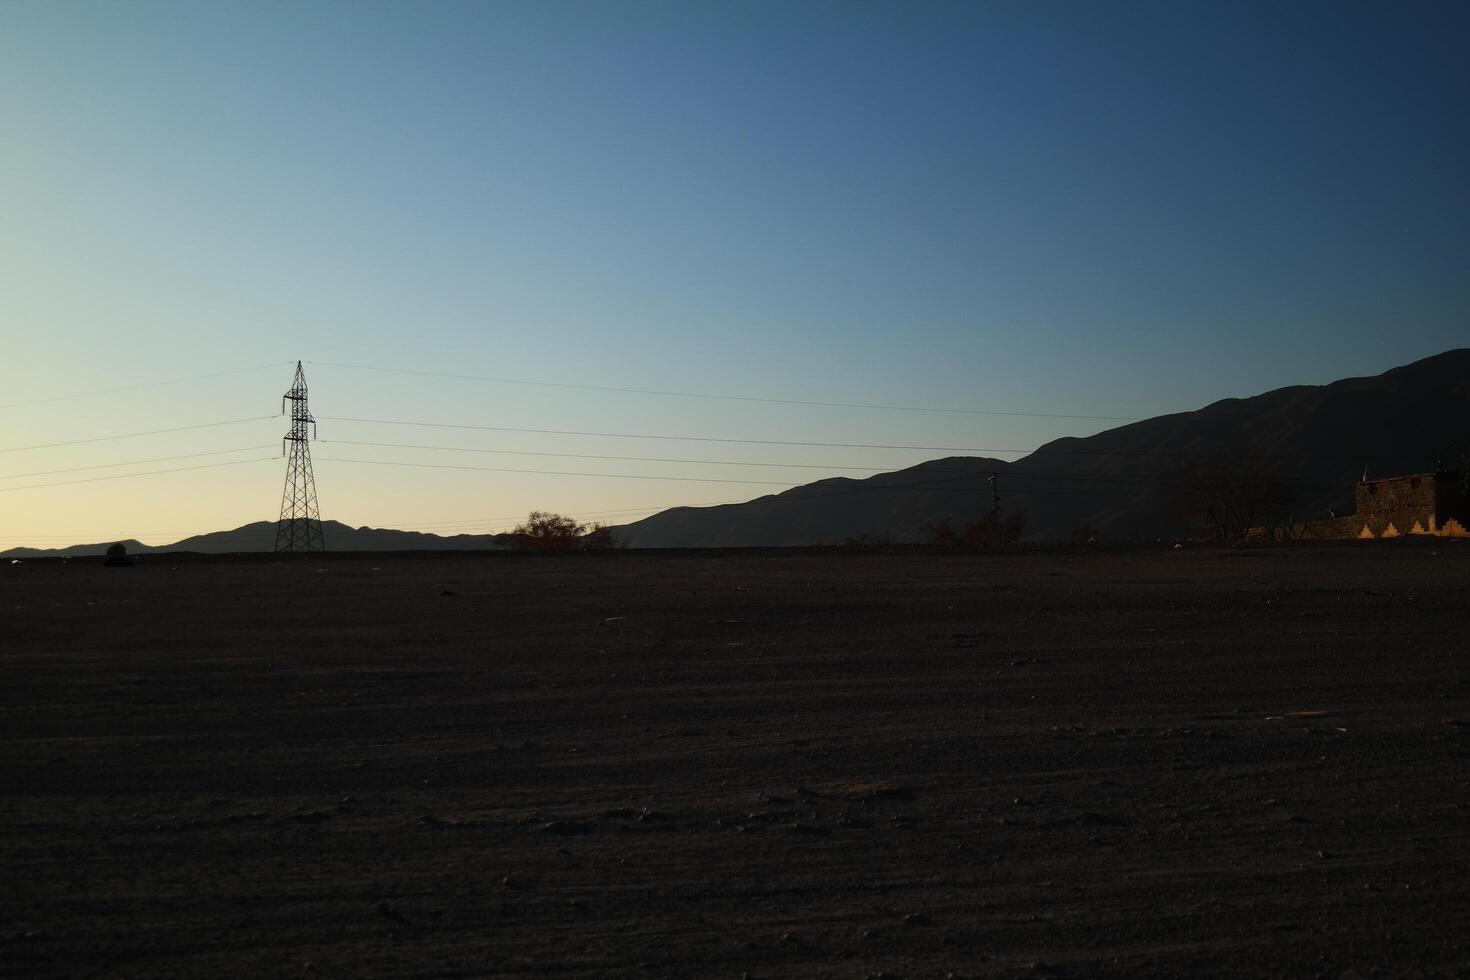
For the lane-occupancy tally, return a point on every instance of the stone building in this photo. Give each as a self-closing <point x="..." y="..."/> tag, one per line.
<point x="1431" y="504"/>
<point x="1420" y="503"/>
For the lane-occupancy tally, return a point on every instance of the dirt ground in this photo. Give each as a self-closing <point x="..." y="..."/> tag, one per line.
<point x="1187" y="762"/>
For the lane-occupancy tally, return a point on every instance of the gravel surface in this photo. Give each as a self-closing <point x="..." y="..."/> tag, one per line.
<point x="1192" y="762"/>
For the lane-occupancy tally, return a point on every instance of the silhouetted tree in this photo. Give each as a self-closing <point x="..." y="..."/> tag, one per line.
<point x="987" y="532"/>
<point x="599" y="537"/>
<point x="1230" y="499"/>
<point x="545" y="531"/>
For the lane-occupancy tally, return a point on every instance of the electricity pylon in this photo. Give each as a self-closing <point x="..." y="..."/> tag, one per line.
<point x="300" y="526"/>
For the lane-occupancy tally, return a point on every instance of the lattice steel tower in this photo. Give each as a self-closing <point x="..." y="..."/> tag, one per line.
<point x="300" y="526"/>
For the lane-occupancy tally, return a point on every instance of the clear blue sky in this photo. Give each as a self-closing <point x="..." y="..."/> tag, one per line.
<point x="1114" y="209"/>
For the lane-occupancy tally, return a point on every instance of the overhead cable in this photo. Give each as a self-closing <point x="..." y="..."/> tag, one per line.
<point x="135" y="435"/>
<point x="150" y="384"/>
<point x="872" y="468"/>
<point x="1042" y="451"/>
<point x="481" y="521"/>
<point x="695" y="479"/>
<point x="127" y="476"/>
<point x="732" y="398"/>
<point x="636" y="435"/>
<point x="136" y="462"/>
<point x="497" y="469"/>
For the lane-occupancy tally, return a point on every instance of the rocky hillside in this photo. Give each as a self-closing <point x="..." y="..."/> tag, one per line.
<point x="1311" y="441"/>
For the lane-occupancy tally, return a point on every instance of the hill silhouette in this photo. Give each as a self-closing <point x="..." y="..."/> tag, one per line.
<point x="261" y="536"/>
<point x="1123" y="483"/>
<point x="1126" y="482"/>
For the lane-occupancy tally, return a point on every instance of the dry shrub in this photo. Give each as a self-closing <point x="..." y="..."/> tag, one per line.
<point x="989" y="531"/>
<point x="545" y="531"/>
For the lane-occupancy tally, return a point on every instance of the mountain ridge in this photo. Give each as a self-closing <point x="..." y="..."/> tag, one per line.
<point x="260" y="536"/>
<point x="1124" y="482"/>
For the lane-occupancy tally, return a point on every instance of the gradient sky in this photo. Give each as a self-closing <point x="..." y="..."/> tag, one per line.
<point x="1098" y="209"/>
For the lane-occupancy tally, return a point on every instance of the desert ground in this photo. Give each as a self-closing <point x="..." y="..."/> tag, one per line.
<point x="1069" y="763"/>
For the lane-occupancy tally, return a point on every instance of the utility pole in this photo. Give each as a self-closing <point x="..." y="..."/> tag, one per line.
<point x="994" y="499"/>
<point x="300" y="526"/>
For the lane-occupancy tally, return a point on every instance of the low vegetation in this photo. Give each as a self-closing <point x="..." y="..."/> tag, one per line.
<point x="990" y="531"/>
<point x="545" y="531"/>
<point x="1227" y="500"/>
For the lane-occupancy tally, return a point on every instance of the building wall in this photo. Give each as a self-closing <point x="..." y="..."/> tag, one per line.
<point x="1420" y="504"/>
<point x="1400" y="495"/>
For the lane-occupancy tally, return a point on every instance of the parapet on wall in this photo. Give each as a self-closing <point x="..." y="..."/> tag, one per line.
<point x="1417" y="504"/>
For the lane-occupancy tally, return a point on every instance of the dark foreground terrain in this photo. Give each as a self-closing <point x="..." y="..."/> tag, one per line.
<point x="1157" y="763"/>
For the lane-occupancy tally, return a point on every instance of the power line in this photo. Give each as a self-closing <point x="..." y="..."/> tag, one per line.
<point x="862" y="487"/>
<point x="52" y="540"/>
<point x="482" y="521"/>
<point x="171" y="537"/>
<point x="636" y="435"/>
<point x="137" y="462"/>
<point x="701" y="479"/>
<point x="446" y="528"/>
<point x="635" y="459"/>
<point x="151" y="384"/>
<point x="875" y="469"/>
<point x="135" y="435"/>
<point x="127" y="476"/>
<point x="67" y="540"/>
<point x="269" y="529"/>
<point x="394" y="525"/>
<point x="863" y="445"/>
<point x="612" y="476"/>
<point x="732" y="398"/>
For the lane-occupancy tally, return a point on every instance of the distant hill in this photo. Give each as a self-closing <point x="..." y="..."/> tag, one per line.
<point x="134" y="548"/>
<point x="261" y="536"/>
<point x="1126" y="482"/>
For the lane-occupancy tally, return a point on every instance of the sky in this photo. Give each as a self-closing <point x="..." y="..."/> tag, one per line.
<point x="1039" y="209"/>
